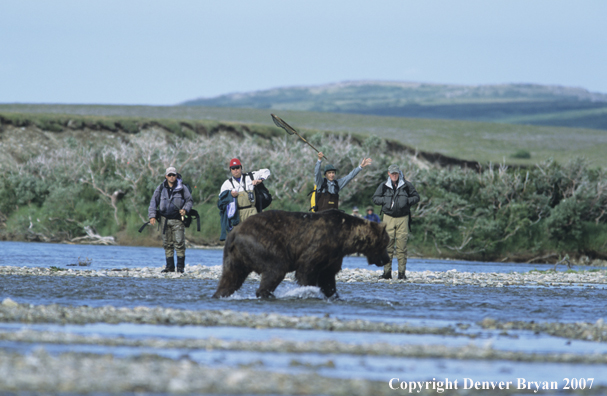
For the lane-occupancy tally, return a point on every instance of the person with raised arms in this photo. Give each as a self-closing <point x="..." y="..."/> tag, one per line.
<point x="328" y="187"/>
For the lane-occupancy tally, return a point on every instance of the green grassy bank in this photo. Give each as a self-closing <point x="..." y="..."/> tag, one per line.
<point x="474" y="141"/>
<point x="63" y="173"/>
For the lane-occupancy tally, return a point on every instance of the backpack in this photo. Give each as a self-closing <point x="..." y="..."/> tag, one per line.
<point x="264" y="198"/>
<point x="186" y="185"/>
<point x="192" y="214"/>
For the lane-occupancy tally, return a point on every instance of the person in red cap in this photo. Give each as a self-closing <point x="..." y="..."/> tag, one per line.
<point x="240" y="186"/>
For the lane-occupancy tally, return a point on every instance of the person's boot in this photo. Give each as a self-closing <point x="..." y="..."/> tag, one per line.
<point x="386" y="275"/>
<point x="170" y="267"/>
<point x="402" y="268"/>
<point x="181" y="264"/>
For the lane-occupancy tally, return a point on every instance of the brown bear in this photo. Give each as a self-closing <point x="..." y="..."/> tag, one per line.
<point x="313" y="245"/>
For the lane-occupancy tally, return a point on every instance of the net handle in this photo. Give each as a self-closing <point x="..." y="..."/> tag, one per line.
<point x="291" y="131"/>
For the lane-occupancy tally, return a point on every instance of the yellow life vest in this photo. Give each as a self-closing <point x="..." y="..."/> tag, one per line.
<point x="323" y="199"/>
<point x="313" y="199"/>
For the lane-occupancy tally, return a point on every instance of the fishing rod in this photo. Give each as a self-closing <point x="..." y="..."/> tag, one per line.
<point x="289" y="129"/>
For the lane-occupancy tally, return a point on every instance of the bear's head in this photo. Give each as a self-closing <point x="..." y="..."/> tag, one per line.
<point x="377" y="253"/>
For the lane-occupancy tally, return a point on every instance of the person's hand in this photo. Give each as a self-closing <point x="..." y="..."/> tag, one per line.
<point x="256" y="182"/>
<point x="234" y="193"/>
<point x="320" y="155"/>
<point x="182" y="212"/>
<point x="152" y="221"/>
<point x="365" y="162"/>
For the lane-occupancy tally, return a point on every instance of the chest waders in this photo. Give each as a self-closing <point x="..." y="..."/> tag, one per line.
<point x="326" y="200"/>
<point x="243" y="200"/>
<point x="246" y="206"/>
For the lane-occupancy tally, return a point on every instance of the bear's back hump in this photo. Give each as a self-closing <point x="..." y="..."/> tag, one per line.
<point x="330" y="218"/>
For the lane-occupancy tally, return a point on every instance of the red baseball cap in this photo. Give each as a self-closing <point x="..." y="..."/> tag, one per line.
<point x="235" y="162"/>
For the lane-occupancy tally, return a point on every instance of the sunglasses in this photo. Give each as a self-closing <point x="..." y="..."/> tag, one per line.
<point x="235" y="167"/>
<point x="171" y="175"/>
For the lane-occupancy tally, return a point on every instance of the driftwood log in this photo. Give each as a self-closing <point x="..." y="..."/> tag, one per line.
<point x="93" y="238"/>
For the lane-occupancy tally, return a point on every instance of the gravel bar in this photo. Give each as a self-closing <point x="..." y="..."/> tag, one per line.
<point x="11" y="312"/>
<point x="468" y="352"/>
<point x="79" y="373"/>
<point x="90" y="373"/>
<point x="452" y="277"/>
<point x="578" y="331"/>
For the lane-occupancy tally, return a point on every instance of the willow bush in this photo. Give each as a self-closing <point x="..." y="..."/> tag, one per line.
<point x="491" y="213"/>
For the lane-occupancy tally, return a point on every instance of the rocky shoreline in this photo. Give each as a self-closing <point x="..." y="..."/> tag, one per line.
<point x="76" y="373"/>
<point x="11" y="312"/>
<point x="71" y="372"/>
<point x="89" y="373"/>
<point x="594" y="278"/>
<point x="325" y="347"/>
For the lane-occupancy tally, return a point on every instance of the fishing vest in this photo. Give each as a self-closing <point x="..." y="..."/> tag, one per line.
<point x="243" y="200"/>
<point x="262" y="197"/>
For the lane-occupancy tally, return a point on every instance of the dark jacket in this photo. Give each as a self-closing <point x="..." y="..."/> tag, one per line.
<point x="396" y="203"/>
<point x="168" y="206"/>
<point x="226" y="224"/>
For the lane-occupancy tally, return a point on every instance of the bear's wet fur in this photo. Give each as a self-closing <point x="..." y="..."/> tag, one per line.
<point x="313" y="245"/>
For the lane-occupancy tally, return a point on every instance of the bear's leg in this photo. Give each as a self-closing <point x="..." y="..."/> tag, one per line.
<point x="326" y="278"/>
<point x="232" y="277"/>
<point x="326" y="282"/>
<point x="305" y="278"/>
<point x="269" y="282"/>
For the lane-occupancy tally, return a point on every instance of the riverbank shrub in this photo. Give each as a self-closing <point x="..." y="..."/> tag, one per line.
<point x="491" y="213"/>
<point x="522" y="153"/>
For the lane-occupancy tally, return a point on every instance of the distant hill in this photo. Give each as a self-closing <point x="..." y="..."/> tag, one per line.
<point x="508" y="103"/>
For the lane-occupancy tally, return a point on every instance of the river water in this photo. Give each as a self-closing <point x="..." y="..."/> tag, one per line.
<point x="418" y="304"/>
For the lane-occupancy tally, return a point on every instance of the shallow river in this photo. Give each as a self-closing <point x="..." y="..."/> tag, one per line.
<point x="434" y="305"/>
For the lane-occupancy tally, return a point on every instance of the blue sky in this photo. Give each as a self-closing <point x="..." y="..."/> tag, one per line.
<point x="166" y="52"/>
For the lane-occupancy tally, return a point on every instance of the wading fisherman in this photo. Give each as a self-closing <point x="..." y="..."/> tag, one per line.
<point x="396" y="197"/>
<point x="241" y="186"/>
<point x="171" y="202"/>
<point x="327" y="188"/>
